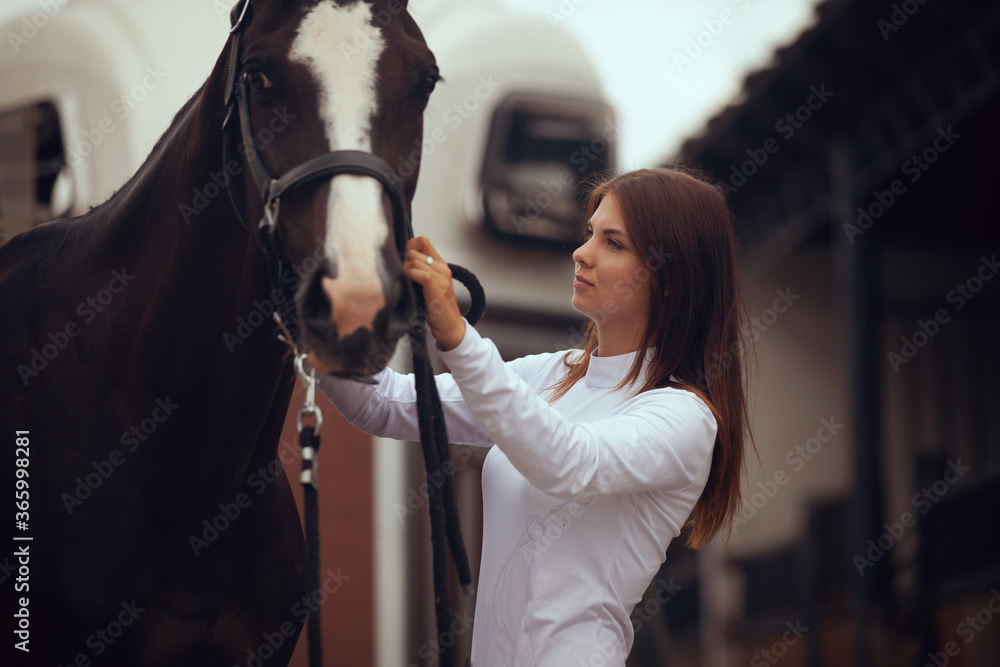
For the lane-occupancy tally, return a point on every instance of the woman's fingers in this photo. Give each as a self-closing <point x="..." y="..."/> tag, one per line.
<point x="424" y="248"/>
<point x="443" y="315"/>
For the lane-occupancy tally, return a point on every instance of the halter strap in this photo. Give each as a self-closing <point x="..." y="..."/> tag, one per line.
<point x="324" y="166"/>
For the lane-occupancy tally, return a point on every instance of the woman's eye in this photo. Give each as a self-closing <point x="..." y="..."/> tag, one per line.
<point x="258" y="80"/>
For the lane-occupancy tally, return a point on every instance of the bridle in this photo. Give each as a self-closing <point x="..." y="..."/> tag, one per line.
<point x="322" y="167"/>
<point x="445" y="529"/>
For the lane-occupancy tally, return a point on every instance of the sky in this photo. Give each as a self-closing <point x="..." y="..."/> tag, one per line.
<point x="667" y="66"/>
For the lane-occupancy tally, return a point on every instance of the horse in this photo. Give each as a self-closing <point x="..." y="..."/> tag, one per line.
<point x="141" y="378"/>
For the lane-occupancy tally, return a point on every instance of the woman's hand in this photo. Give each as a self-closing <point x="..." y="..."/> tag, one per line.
<point x="443" y="316"/>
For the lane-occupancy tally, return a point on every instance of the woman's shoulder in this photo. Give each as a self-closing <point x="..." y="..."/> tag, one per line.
<point x="679" y="399"/>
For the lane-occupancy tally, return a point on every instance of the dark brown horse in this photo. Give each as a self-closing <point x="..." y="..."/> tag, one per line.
<point x="137" y="356"/>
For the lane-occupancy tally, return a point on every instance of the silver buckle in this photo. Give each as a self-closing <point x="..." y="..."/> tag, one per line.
<point x="271" y="210"/>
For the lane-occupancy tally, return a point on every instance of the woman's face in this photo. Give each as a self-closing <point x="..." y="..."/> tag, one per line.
<point x="611" y="281"/>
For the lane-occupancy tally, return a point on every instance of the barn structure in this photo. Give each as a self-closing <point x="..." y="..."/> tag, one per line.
<point x="861" y="166"/>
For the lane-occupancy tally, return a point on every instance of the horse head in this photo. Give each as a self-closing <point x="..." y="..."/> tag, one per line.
<point x="328" y="93"/>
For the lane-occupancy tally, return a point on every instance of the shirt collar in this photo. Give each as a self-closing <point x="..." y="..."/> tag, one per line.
<point x="610" y="371"/>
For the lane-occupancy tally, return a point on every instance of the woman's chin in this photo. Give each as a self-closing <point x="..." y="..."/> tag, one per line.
<point x="580" y="306"/>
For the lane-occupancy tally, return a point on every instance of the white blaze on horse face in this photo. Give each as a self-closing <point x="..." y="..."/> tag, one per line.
<point x="341" y="48"/>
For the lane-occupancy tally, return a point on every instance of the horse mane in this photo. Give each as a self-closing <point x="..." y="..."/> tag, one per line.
<point x="154" y="153"/>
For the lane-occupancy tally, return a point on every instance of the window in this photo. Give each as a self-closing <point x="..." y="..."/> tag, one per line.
<point x="34" y="184"/>
<point x="540" y="153"/>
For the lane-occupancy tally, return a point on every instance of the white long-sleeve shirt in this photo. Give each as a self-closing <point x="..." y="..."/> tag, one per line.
<point x="581" y="496"/>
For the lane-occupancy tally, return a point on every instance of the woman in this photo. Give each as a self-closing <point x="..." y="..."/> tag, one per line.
<point x="602" y="455"/>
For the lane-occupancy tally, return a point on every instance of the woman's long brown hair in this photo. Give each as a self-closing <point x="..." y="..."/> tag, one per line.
<point x="696" y="321"/>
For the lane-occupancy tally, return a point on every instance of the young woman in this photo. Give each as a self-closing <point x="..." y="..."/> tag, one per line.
<point x="603" y="454"/>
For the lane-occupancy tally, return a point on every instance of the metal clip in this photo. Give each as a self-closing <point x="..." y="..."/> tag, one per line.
<point x="309" y="407"/>
<point x="270" y="219"/>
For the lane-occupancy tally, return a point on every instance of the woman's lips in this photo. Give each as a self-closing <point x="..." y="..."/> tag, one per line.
<point x="581" y="282"/>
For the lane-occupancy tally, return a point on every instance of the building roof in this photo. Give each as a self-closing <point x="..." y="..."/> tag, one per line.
<point x="867" y="86"/>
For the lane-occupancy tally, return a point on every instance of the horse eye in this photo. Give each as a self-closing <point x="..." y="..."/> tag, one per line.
<point x="258" y="80"/>
<point x="428" y="83"/>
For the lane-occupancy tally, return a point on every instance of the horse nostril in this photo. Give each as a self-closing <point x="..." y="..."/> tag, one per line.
<point x="400" y="308"/>
<point x="316" y="307"/>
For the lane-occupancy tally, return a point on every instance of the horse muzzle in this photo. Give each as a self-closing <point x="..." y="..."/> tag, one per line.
<point x="351" y="324"/>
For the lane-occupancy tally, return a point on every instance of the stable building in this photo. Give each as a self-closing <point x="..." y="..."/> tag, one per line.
<point x="862" y="169"/>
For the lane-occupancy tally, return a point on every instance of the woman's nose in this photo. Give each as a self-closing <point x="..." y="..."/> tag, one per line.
<point x="581" y="254"/>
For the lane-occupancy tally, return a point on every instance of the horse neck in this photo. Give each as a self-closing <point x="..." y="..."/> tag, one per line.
<point x="177" y="202"/>
<point x="174" y="221"/>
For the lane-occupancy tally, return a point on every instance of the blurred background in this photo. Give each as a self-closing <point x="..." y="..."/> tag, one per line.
<point x="857" y="142"/>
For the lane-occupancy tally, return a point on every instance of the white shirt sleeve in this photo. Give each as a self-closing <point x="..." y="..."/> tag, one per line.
<point x="660" y="439"/>
<point x="388" y="408"/>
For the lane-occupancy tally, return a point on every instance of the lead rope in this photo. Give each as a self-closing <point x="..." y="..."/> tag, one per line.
<point x="434" y="439"/>
<point x="445" y="526"/>
<point x="309" y="442"/>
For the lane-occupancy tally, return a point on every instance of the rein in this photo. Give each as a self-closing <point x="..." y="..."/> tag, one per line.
<point x="433" y="433"/>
